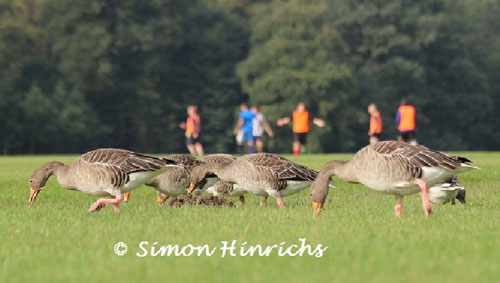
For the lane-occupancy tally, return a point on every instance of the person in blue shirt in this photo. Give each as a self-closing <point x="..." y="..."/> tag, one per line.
<point x="245" y="125"/>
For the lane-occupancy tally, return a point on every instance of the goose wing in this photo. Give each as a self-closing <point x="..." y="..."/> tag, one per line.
<point x="118" y="164"/>
<point x="284" y="168"/>
<point x="185" y="160"/>
<point x="221" y="159"/>
<point x="418" y="156"/>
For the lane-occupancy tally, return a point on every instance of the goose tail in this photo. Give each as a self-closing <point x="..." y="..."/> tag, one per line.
<point x="464" y="167"/>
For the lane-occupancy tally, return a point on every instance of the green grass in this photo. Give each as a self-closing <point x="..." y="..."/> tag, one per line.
<point x="57" y="240"/>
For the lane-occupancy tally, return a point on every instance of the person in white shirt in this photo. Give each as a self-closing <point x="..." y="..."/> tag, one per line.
<point x="259" y="126"/>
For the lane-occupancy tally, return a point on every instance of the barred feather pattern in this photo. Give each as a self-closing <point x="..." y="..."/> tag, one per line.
<point x="412" y="158"/>
<point x="259" y="173"/>
<point x="117" y="164"/>
<point x="284" y="168"/>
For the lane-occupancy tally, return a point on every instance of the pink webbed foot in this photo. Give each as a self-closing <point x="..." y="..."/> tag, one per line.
<point x="96" y="206"/>
<point x="100" y="203"/>
<point x="280" y="202"/>
<point x="398" y="208"/>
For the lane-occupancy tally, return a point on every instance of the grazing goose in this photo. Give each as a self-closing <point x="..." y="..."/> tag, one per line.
<point x="447" y="191"/>
<point x="221" y="187"/>
<point x="391" y="167"/>
<point x="263" y="174"/>
<point x="176" y="181"/>
<point x="101" y="172"/>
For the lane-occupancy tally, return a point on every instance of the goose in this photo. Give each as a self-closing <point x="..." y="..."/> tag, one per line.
<point x="176" y="181"/>
<point x="101" y="172"/>
<point x="447" y="191"/>
<point x="263" y="174"/>
<point x="221" y="187"/>
<point x="391" y="167"/>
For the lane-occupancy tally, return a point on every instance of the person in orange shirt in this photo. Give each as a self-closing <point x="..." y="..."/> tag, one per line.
<point x="405" y="121"/>
<point x="375" y="123"/>
<point x="300" y="127"/>
<point x="193" y="129"/>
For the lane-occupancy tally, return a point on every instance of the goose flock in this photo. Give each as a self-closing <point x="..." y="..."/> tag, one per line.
<point x="389" y="167"/>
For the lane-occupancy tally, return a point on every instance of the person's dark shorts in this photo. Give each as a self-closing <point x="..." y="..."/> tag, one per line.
<point x="376" y="136"/>
<point x="191" y="140"/>
<point x="408" y="136"/>
<point x="257" y="138"/>
<point x="300" y="137"/>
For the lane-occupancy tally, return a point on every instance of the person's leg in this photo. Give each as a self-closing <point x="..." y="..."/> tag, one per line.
<point x="303" y="143"/>
<point x="190" y="145"/>
<point x="250" y="147"/>
<point x="296" y="144"/>
<point x="199" y="149"/>
<point x="191" y="149"/>
<point x="296" y="147"/>
<point x="404" y="137"/>
<point x="259" y="144"/>
<point x="412" y="139"/>
<point x="239" y="142"/>
<point x="248" y="138"/>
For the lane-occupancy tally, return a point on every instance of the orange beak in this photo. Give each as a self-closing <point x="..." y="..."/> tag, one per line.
<point x="33" y="194"/>
<point x="126" y="196"/>
<point x="160" y="200"/>
<point x="317" y="208"/>
<point x="191" y="188"/>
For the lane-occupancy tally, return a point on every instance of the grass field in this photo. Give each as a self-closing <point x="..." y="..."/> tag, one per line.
<point x="57" y="240"/>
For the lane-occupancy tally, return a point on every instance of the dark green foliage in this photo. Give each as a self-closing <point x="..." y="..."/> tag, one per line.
<point x="76" y="75"/>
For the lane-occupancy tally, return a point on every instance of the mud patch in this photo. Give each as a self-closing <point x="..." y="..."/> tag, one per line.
<point x="206" y="200"/>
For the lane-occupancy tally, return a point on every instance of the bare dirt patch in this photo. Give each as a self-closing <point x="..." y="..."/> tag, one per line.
<point x="206" y="200"/>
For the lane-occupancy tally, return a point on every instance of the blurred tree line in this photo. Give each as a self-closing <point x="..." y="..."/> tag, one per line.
<point x="77" y="75"/>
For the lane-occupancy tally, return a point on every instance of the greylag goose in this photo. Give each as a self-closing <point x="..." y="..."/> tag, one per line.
<point x="263" y="174"/>
<point x="447" y="191"/>
<point x="221" y="187"/>
<point x="176" y="181"/>
<point x="101" y="172"/>
<point x="391" y="167"/>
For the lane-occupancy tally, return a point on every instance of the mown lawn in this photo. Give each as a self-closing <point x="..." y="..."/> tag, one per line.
<point x="57" y="240"/>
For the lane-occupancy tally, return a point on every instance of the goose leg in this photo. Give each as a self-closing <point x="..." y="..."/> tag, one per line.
<point x="160" y="198"/>
<point x="426" y="205"/>
<point x="280" y="202"/>
<point x="242" y="200"/>
<point x="264" y="201"/>
<point x="275" y="194"/>
<point x="398" y="208"/>
<point x="103" y="201"/>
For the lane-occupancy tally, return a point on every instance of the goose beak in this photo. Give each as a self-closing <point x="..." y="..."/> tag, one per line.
<point x="317" y="206"/>
<point x="160" y="200"/>
<point x="33" y="195"/>
<point x="191" y="188"/>
<point x="126" y="196"/>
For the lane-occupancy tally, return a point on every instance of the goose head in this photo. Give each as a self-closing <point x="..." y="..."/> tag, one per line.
<point x="317" y="194"/>
<point x="39" y="178"/>
<point x="319" y="188"/>
<point x="198" y="177"/>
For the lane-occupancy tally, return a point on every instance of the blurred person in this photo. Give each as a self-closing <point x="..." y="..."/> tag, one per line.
<point x="245" y="124"/>
<point x="405" y="121"/>
<point x="375" y="123"/>
<point x="193" y="129"/>
<point x="259" y="126"/>
<point x="300" y="127"/>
